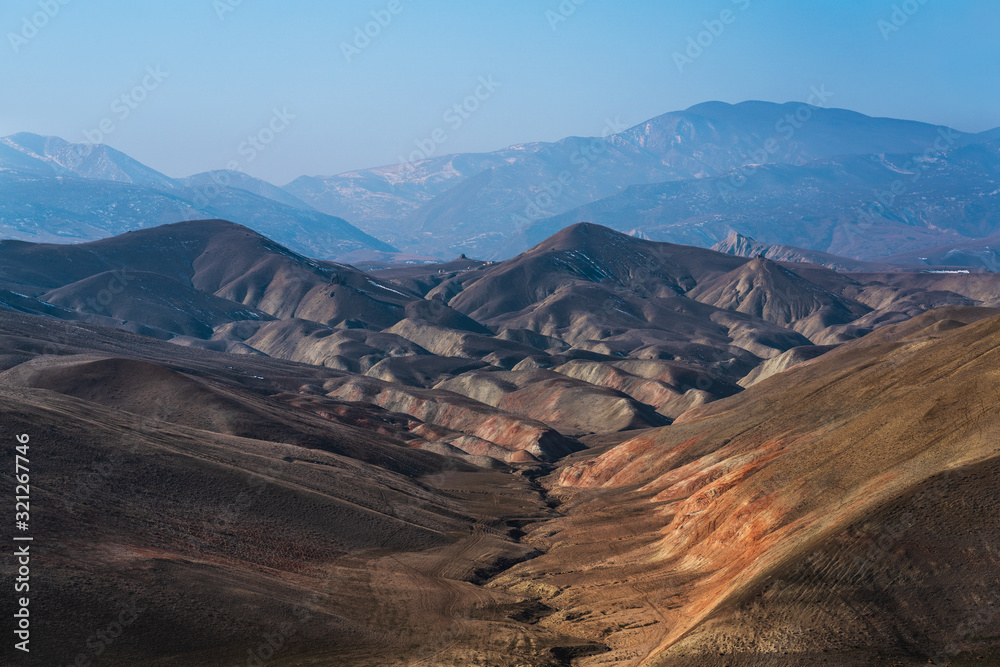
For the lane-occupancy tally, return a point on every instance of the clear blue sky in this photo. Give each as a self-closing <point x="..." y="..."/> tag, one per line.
<point x="607" y="59"/>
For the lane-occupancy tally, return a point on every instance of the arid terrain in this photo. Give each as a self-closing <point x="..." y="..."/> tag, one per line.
<point x="603" y="451"/>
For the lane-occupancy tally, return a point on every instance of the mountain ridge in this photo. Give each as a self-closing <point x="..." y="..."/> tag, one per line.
<point x="493" y="205"/>
<point x="704" y="141"/>
<point x="607" y="448"/>
<point x="107" y="193"/>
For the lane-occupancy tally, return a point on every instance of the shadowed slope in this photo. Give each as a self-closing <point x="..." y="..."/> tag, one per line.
<point x="190" y="489"/>
<point x="212" y="256"/>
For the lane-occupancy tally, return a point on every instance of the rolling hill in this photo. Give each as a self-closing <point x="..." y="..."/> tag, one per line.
<point x="606" y="450"/>
<point x="840" y="512"/>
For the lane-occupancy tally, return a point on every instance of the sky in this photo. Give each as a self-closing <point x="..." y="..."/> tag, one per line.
<point x="281" y="90"/>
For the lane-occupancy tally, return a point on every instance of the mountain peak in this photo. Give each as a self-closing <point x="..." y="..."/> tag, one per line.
<point x="765" y="289"/>
<point x="243" y="181"/>
<point x="55" y="156"/>
<point x="736" y="236"/>
<point x="36" y="143"/>
<point x="740" y="245"/>
<point x="583" y="236"/>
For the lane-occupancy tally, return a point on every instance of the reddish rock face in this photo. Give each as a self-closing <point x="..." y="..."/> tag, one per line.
<point x="505" y="432"/>
<point x="736" y="492"/>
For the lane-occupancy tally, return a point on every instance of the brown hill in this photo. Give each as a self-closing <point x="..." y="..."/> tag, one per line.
<point x="587" y="293"/>
<point x="194" y="494"/>
<point x="153" y="299"/>
<point x="777" y="294"/>
<point x="586" y="253"/>
<point x="211" y="256"/>
<point x="800" y="516"/>
<point x="306" y="433"/>
<point x="572" y="406"/>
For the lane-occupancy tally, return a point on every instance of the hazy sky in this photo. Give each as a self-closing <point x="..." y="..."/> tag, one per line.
<point x="557" y="69"/>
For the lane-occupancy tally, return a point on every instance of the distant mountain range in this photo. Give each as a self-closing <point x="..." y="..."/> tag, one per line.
<point x="688" y="177"/>
<point x="831" y="205"/>
<point x="55" y="191"/>
<point x="744" y="246"/>
<point x="976" y="256"/>
<point x="820" y="179"/>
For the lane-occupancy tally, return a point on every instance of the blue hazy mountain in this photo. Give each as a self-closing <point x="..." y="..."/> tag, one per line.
<point x="786" y="174"/>
<point x="54" y="191"/>
<point x="864" y="206"/>
<point x="478" y="203"/>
